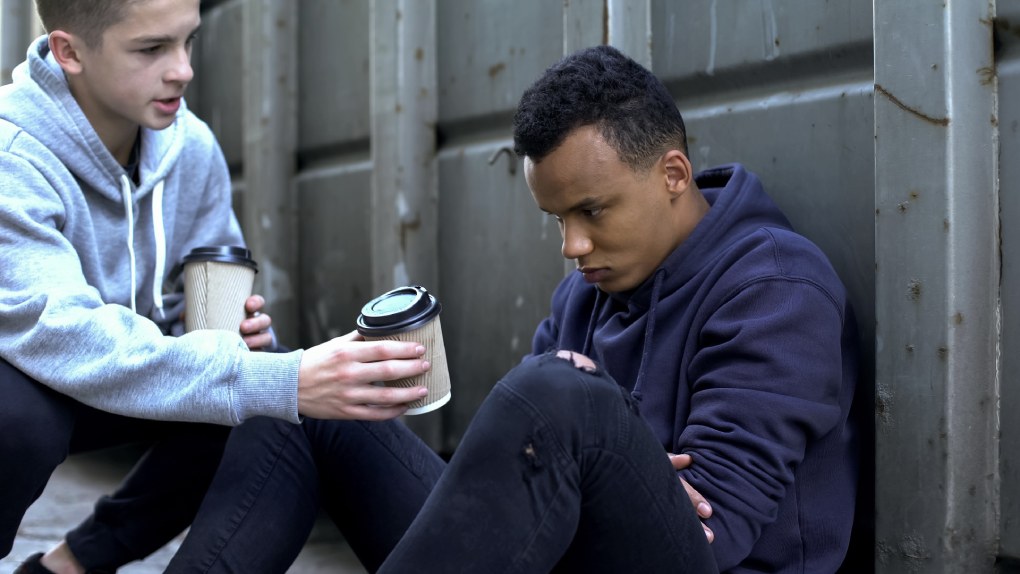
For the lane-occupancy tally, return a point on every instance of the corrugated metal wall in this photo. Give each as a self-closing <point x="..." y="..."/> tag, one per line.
<point x="1008" y="123"/>
<point x="370" y="146"/>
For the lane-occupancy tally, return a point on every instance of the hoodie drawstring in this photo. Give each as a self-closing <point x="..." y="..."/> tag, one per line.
<point x="129" y="213"/>
<point x="160" y="241"/>
<point x="649" y="333"/>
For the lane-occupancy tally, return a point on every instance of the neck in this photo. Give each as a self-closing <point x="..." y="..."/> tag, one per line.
<point x="118" y="137"/>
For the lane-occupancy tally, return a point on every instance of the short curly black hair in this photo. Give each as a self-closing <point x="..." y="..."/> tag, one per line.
<point x="600" y="86"/>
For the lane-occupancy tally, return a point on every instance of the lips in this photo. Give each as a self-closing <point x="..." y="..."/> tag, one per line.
<point x="168" y="106"/>
<point x="594" y="274"/>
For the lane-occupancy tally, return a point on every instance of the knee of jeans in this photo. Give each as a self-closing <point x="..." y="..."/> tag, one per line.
<point x="28" y="435"/>
<point x="556" y="384"/>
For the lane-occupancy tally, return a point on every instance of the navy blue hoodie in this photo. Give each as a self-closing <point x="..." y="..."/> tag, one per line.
<point x="742" y="351"/>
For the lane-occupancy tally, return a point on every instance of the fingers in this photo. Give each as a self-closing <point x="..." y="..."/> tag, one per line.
<point x="258" y="341"/>
<point x="254" y="304"/>
<point x="580" y="361"/>
<point x="338" y="379"/>
<point x="701" y="506"/>
<point x="349" y="348"/>
<point x="680" y="461"/>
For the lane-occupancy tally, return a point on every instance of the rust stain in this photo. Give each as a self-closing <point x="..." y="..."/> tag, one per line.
<point x="419" y="54"/>
<point x="883" y="404"/>
<point x="910" y="110"/>
<point x="987" y="74"/>
<point x="914" y="194"/>
<point x="943" y="352"/>
<point x="902" y="207"/>
<point x="958" y="318"/>
<point x="495" y="70"/>
<point x="914" y="290"/>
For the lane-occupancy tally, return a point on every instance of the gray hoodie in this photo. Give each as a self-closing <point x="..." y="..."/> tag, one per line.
<point x="86" y="257"/>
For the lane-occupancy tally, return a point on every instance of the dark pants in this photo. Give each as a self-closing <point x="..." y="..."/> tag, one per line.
<point x="373" y="478"/>
<point x="557" y="472"/>
<point x="39" y="428"/>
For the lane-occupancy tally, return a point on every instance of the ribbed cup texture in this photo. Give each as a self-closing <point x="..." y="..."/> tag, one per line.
<point x="437" y="378"/>
<point x="214" y="294"/>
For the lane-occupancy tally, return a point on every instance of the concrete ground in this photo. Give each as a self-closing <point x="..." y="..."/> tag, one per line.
<point x="77" y="484"/>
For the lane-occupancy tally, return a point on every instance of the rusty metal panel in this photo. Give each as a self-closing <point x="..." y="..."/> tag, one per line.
<point x="737" y="38"/>
<point x="216" y="93"/>
<point x="1008" y="67"/>
<point x="937" y="278"/>
<point x="334" y="257"/>
<point x="500" y="261"/>
<point x="333" y="76"/>
<point x="489" y="52"/>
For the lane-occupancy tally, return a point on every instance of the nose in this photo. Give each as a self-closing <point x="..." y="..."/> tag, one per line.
<point x="576" y="242"/>
<point x="180" y="68"/>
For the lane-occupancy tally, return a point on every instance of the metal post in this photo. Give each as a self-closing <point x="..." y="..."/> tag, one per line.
<point x="630" y="29"/>
<point x="15" y="35"/>
<point x="270" y="142"/>
<point x="937" y="278"/>
<point x="585" y="24"/>
<point x="405" y="179"/>
<point x="405" y="189"/>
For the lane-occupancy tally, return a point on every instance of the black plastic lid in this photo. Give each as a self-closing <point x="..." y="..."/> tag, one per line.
<point x="399" y="310"/>
<point x="223" y="254"/>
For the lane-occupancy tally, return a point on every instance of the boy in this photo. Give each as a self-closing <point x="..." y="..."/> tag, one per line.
<point x="700" y="364"/>
<point x="108" y="180"/>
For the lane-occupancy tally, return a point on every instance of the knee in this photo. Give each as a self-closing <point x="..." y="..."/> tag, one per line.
<point x="36" y="437"/>
<point x="557" y="385"/>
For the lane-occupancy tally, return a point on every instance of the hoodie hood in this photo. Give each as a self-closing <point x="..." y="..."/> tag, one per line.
<point x="739" y="209"/>
<point x="40" y="103"/>
<point x="637" y="334"/>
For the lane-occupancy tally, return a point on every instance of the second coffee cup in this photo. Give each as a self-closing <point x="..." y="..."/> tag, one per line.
<point x="217" y="281"/>
<point x="411" y="314"/>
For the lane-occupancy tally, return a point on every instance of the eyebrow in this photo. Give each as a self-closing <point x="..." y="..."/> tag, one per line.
<point x="586" y="203"/>
<point x="164" y="39"/>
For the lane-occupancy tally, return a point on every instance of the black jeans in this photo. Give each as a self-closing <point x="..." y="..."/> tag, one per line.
<point x="39" y="428"/>
<point x="557" y="472"/>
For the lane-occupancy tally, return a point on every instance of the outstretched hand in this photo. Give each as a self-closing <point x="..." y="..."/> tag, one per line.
<point x="336" y="379"/>
<point x="701" y="506"/>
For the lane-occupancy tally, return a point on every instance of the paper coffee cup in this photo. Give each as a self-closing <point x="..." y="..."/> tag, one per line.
<point x="411" y="314"/>
<point x="217" y="281"/>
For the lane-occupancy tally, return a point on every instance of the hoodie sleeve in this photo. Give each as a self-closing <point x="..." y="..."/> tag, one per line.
<point x="55" y="327"/>
<point x="766" y="381"/>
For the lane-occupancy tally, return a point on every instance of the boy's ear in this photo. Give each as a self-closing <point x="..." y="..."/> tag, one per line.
<point x="65" y="47"/>
<point x="679" y="174"/>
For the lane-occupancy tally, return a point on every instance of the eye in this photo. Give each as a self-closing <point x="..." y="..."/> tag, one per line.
<point x="151" y="49"/>
<point x="592" y="211"/>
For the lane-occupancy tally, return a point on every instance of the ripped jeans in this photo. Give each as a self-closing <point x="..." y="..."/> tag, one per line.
<point x="556" y="473"/>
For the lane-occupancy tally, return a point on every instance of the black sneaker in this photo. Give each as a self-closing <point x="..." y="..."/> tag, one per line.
<point x="33" y="565"/>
